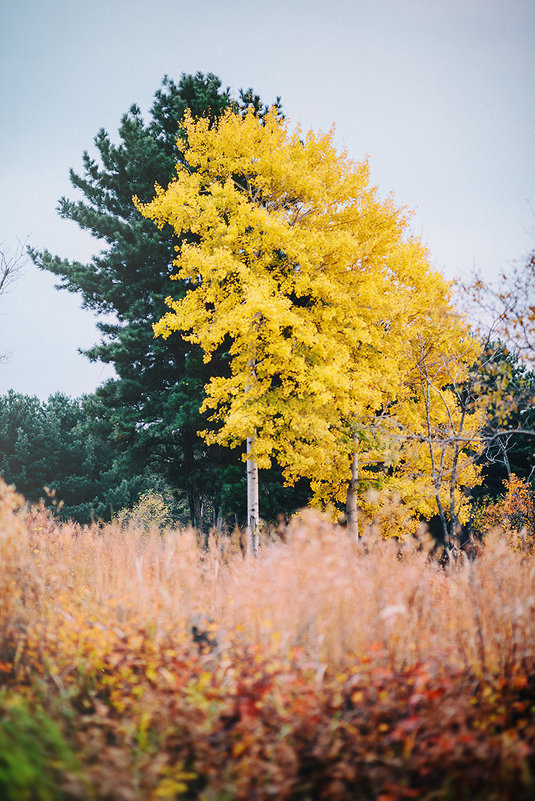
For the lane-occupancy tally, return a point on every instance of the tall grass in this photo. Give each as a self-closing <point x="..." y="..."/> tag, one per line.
<point x="71" y="596"/>
<point x="320" y="591"/>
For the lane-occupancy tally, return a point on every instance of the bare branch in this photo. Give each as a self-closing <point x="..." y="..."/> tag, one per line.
<point x="10" y="265"/>
<point x="508" y="307"/>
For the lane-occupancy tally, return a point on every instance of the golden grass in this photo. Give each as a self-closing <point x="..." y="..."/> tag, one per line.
<point x="335" y="600"/>
<point x="324" y="668"/>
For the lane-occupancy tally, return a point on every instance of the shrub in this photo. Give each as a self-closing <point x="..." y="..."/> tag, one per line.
<point x="514" y="514"/>
<point x="35" y="762"/>
<point x="323" y="669"/>
<point x="151" y="510"/>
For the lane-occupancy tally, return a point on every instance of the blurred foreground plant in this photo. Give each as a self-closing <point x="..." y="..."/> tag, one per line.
<point x="329" y="669"/>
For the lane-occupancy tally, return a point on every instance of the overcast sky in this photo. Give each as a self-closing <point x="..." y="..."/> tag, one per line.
<point x="438" y="93"/>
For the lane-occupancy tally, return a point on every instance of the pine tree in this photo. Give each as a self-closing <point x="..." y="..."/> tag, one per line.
<point x="47" y="454"/>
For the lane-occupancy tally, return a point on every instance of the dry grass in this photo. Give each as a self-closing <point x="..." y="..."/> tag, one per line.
<point x="335" y="600"/>
<point x="324" y="668"/>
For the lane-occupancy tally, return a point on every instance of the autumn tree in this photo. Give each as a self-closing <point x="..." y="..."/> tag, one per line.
<point x="441" y="421"/>
<point x="308" y="279"/>
<point x="505" y="387"/>
<point x="503" y="315"/>
<point x="470" y="401"/>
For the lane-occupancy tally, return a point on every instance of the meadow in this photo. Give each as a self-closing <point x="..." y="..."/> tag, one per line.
<point x="145" y="664"/>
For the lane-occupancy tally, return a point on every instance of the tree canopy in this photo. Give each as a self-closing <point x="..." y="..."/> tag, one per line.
<point x="311" y="282"/>
<point x="305" y="316"/>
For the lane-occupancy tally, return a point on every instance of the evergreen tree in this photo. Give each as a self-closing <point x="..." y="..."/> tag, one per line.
<point x="46" y="445"/>
<point x="151" y="409"/>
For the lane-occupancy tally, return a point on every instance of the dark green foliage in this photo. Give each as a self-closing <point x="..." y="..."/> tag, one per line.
<point x="152" y="407"/>
<point x="47" y="445"/>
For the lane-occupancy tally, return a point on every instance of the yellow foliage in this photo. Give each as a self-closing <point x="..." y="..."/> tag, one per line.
<point x="514" y="514"/>
<point x="312" y="283"/>
<point x="443" y="425"/>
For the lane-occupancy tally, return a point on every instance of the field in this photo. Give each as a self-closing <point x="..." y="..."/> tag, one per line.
<point x="144" y="665"/>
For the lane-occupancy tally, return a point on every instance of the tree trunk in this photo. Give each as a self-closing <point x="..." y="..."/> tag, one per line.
<point x="352" y="498"/>
<point x="198" y="507"/>
<point x="187" y="468"/>
<point x="252" y="502"/>
<point x="442" y="515"/>
<point x="191" y="504"/>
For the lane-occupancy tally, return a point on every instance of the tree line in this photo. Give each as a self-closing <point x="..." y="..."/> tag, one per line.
<point x="305" y="325"/>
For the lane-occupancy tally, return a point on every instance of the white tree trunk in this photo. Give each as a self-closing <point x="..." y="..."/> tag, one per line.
<point x="252" y="502"/>
<point x="352" y="498"/>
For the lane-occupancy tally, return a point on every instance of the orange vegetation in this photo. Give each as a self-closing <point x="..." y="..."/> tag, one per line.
<point x="140" y="665"/>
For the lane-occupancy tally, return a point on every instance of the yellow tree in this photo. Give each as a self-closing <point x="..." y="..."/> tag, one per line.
<point x="306" y="277"/>
<point x="423" y="441"/>
<point x="440" y="418"/>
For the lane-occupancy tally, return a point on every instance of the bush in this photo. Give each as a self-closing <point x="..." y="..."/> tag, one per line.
<point x="152" y="510"/>
<point x="514" y="514"/>
<point x="323" y="669"/>
<point x="35" y="762"/>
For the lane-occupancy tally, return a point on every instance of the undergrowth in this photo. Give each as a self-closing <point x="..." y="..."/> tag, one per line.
<point x="143" y="664"/>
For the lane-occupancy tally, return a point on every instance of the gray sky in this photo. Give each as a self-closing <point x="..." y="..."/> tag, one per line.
<point x="438" y="93"/>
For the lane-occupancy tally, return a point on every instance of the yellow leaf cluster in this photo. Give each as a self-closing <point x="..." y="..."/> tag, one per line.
<point x="305" y="276"/>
